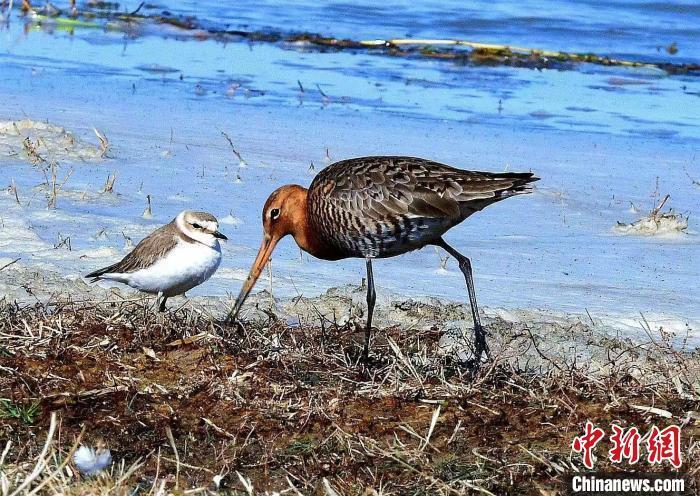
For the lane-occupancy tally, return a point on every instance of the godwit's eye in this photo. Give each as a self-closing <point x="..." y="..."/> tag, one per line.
<point x="196" y="226"/>
<point x="274" y="213"/>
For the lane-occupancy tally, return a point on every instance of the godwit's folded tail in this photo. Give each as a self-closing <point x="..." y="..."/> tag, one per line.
<point x="484" y="188"/>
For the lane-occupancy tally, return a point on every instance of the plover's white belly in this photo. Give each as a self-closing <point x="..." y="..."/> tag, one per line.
<point x="187" y="265"/>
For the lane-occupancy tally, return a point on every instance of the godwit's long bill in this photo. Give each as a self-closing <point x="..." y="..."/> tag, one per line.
<point x="377" y="207"/>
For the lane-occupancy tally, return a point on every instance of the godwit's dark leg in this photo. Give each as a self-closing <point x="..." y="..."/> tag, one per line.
<point x="371" y="298"/>
<point x="466" y="267"/>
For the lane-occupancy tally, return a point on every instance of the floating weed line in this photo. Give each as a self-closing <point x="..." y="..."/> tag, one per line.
<point x="464" y="52"/>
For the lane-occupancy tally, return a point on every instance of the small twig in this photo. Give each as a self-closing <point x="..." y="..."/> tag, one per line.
<point x="187" y="465"/>
<point x="322" y="93"/>
<point x="433" y="421"/>
<point x="692" y="179"/>
<point x="171" y="440"/>
<point x="54" y="186"/>
<point x="8" y="445"/>
<point x="656" y="210"/>
<point x="443" y="261"/>
<point x="218" y="429"/>
<point x="104" y="142"/>
<point x="41" y="459"/>
<point x="32" y="152"/>
<point x="134" y="12"/>
<point x="246" y="483"/>
<point x="10" y="263"/>
<point x="542" y="355"/>
<point x="109" y="183"/>
<point x="233" y="149"/>
<point x="14" y="190"/>
<point x="148" y="213"/>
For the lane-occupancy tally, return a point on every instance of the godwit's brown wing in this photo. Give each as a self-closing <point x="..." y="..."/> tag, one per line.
<point x="384" y="206"/>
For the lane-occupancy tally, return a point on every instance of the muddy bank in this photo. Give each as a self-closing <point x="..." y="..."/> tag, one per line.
<point x="184" y="402"/>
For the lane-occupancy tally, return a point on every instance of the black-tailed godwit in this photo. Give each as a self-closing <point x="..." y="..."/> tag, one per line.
<point x="377" y="207"/>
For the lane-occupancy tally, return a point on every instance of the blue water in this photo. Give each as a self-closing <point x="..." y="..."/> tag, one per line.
<point x="599" y="137"/>
<point x="590" y="98"/>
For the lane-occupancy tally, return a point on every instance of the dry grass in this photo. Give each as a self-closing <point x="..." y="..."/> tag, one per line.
<point x="186" y="403"/>
<point x="241" y="161"/>
<point x="109" y="183"/>
<point x="104" y="142"/>
<point x="49" y="169"/>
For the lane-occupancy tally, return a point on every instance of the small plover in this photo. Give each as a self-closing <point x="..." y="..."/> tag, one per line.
<point x="172" y="259"/>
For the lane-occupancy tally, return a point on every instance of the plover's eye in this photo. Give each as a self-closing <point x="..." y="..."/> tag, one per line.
<point x="196" y="226"/>
<point x="274" y="213"/>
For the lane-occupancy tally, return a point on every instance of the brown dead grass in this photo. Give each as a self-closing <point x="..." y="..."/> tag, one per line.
<point x="271" y="407"/>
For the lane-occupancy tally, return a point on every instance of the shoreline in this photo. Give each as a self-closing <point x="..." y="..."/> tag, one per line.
<point x="345" y="304"/>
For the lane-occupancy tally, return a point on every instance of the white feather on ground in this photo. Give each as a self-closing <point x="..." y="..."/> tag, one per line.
<point x="91" y="461"/>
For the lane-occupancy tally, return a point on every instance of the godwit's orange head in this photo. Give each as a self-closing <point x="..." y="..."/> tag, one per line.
<point x="284" y="213"/>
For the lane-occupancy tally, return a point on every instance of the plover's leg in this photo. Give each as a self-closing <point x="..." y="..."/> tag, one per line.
<point x="371" y="298"/>
<point x="466" y="267"/>
<point x="160" y="301"/>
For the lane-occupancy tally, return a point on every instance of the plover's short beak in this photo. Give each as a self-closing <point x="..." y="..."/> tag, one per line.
<point x="217" y="234"/>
